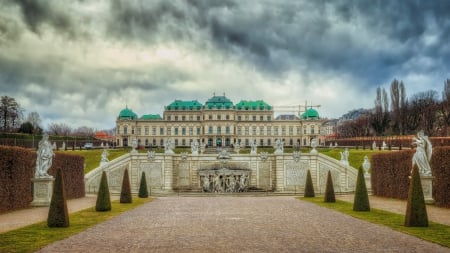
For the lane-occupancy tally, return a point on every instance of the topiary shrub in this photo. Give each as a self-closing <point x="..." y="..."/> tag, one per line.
<point x="58" y="215"/>
<point x="125" y="193"/>
<point x="103" y="199"/>
<point x="309" y="187"/>
<point x="329" y="190"/>
<point x="143" y="192"/>
<point x="416" y="211"/>
<point x="361" y="200"/>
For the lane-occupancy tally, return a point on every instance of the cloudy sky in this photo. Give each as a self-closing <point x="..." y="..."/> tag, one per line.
<point x="81" y="62"/>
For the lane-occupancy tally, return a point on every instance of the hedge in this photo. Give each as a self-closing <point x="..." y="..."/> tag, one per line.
<point x="393" y="141"/>
<point x="17" y="166"/>
<point x="390" y="174"/>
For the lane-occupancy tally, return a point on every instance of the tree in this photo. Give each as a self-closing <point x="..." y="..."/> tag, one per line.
<point x="103" y="199"/>
<point x="422" y="112"/>
<point x="10" y="113"/>
<point x="309" y="187"/>
<point x="58" y="215"/>
<point x="361" y="200"/>
<point x="416" y="211"/>
<point x="329" y="190"/>
<point x="125" y="193"/>
<point x="398" y="105"/>
<point x="380" y="116"/>
<point x="445" y="107"/>
<point x="26" y="128"/>
<point x="143" y="191"/>
<point x="59" y="129"/>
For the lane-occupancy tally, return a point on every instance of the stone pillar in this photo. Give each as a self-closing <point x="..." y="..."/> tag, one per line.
<point x="42" y="191"/>
<point x="279" y="173"/>
<point x="168" y="173"/>
<point x="427" y="188"/>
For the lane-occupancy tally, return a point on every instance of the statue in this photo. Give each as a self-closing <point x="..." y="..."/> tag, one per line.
<point x="194" y="147"/>
<point x="104" y="157"/>
<point x="63" y="147"/>
<point x="134" y="145"/>
<point x="344" y="156"/>
<point x="236" y="147"/>
<point x="253" y="147"/>
<point x="206" y="184"/>
<point x="54" y="146"/>
<point x="44" y="158"/>
<point x="218" y="183"/>
<point x="423" y="154"/>
<point x="168" y="147"/>
<point x="243" y="183"/>
<point x="374" y="145"/>
<point x="366" y="166"/>
<point x="383" y="146"/>
<point x="279" y="147"/>
<point x="314" y="145"/>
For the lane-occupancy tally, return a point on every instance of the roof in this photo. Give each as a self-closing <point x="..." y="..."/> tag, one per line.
<point x="253" y="105"/>
<point x="219" y="102"/>
<point x="127" y="114"/>
<point x="151" y="117"/>
<point x="184" y="105"/>
<point x="310" y="114"/>
<point x="287" y="117"/>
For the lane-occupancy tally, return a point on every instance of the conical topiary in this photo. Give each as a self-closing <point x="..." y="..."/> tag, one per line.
<point x="125" y="193"/>
<point x="58" y="215"/>
<point x="309" y="187"/>
<point x="416" y="211"/>
<point x="103" y="199"/>
<point x="143" y="191"/>
<point x="329" y="190"/>
<point x="361" y="200"/>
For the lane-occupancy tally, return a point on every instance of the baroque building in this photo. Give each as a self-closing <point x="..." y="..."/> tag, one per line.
<point x="218" y="123"/>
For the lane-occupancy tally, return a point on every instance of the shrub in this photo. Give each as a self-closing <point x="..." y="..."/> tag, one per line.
<point x="103" y="199"/>
<point x="143" y="191"/>
<point x="416" y="211"/>
<point x="125" y="193"/>
<point x="309" y="187"/>
<point x="58" y="215"/>
<point x="329" y="190"/>
<point x="361" y="201"/>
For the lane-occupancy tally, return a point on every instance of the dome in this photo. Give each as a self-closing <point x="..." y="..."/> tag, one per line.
<point x="127" y="114"/>
<point x="310" y="114"/>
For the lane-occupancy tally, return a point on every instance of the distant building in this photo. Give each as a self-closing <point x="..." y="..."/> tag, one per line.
<point x="218" y="122"/>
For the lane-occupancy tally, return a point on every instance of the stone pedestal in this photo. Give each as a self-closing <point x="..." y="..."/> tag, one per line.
<point x="427" y="188"/>
<point x="368" y="183"/>
<point x="42" y="191"/>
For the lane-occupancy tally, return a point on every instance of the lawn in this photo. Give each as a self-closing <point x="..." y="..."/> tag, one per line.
<point x="93" y="157"/>
<point x="37" y="236"/>
<point x="435" y="232"/>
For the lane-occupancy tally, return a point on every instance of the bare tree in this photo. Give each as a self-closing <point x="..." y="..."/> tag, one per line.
<point x="35" y="119"/>
<point x="445" y="107"/>
<point x="10" y="113"/>
<point x="398" y="106"/>
<point x="422" y="112"/>
<point x="60" y="129"/>
<point x="380" y="116"/>
<point x="84" y="131"/>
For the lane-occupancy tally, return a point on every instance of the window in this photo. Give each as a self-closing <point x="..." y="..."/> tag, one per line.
<point x="199" y="130"/>
<point x="246" y="117"/>
<point x="283" y="130"/>
<point x="312" y="129"/>
<point x="304" y="131"/>
<point x="191" y="117"/>
<point x="183" y="131"/>
<point x="269" y="118"/>
<point x="261" y="130"/>
<point x="118" y="130"/>
<point x="254" y="117"/>
<point x="239" y="118"/>
<point x="168" y="131"/>
<point x="146" y="142"/>
<point x="138" y="131"/>
<point x="176" y="130"/>
<point x="269" y="131"/>
<point x="161" y="142"/>
<point x="183" y="142"/>
<point x="210" y="130"/>
<point x="261" y="118"/>
<point x="132" y="130"/>
<point x="146" y="130"/>
<point x="168" y="117"/>
<point x="291" y="130"/>
<point x="254" y="130"/>
<point x="183" y="118"/>
<point x="154" y="142"/>
<point x="299" y="131"/>
<point x="191" y="131"/>
<point x="210" y="117"/>
<point x="198" y="118"/>
<point x="219" y="130"/>
<point x="125" y="130"/>
<point x="176" y="142"/>
<point x="227" y="130"/>
<point x="239" y="130"/>
<point x="261" y="142"/>
<point x="154" y="131"/>
<point x="246" y="142"/>
<point x="246" y="130"/>
<point x="219" y="117"/>
<point x="176" y="118"/>
<point x="161" y="131"/>
<point x="275" y="130"/>
<point x="268" y="142"/>
<point x="227" y="117"/>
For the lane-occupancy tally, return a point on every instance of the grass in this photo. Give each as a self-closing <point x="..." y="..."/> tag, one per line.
<point x="356" y="157"/>
<point x="37" y="236"/>
<point x="435" y="232"/>
<point x="93" y="157"/>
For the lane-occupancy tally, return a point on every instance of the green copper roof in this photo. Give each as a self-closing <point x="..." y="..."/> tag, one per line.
<point x="184" y="105"/>
<point x="219" y="102"/>
<point x="151" y="117"/>
<point x="310" y="114"/>
<point x="253" y="105"/>
<point x="127" y="114"/>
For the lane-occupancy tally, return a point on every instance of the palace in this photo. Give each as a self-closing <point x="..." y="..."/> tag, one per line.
<point x="218" y="123"/>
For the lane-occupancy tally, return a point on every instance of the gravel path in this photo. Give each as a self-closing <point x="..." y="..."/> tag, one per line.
<point x="238" y="224"/>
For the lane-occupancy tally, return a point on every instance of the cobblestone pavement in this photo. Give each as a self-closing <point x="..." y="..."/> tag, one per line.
<point x="238" y="224"/>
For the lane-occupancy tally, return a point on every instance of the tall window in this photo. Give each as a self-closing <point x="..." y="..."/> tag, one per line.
<point x="219" y="117"/>
<point x="227" y="117"/>
<point x="168" y="131"/>
<point x="261" y="118"/>
<point x="183" y="131"/>
<point x="254" y="117"/>
<point x="261" y="130"/>
<point x="154" y="131"/>
<point x="183" y="118"/>
<point x="227" y="130"/>
<point x="299" y="130"/>
<point x="191" y="131"/>
<point x="246" y="130"/>
<point x="269" y="131"/>
<point x="161" y="131"/>
<point x="219" y="130"/>
<point x="138" y="131"/>
<point x="291" y="130"/>
<point x="176" y="130"/>
<point x="125" y="130"/>
<point x="275" y="130"/>
<point x="254" y="130"/>
<point x="199" y="130"/>
<point x="239" y="130"/>
<point x="239" y="118"/>
<point x="269" y="118"/>
<point x="312" y="129"/>
<point x="176" y="118"/>
<point x="146" y="132"/>
<point x="210" y="130"/>
<point x="283" y="130"/>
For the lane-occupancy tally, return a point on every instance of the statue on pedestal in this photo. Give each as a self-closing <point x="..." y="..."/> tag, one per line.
<point x="423" y="154"/>
<point x="366" y="166"/>
<point x="168" y="147"/>
<point x="44" y="158"/>
<point x="194" y="147"/>
<point x="279" y="147"/>
<point x="253" y="147"/>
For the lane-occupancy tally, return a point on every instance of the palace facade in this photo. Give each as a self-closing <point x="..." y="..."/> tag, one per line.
<point x="218" y="123"/>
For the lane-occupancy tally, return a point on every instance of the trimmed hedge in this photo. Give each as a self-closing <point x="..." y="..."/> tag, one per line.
<point x="58" y="214"/>
<point x="416" y="211"/>
<point x="329" y="190"/>
<point x="390" y="172"/>
<point x="17" y="166"/>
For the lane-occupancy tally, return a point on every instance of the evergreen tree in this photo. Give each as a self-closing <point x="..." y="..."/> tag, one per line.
<point x="58" y="215"/>
<point x="416" y="211"/>
<point x="329" y="191"/>
<point x="143" y="191"/>
<point x="309" y="187"/>
<point x="125" y="193"/>
<point x="103" y="198"/>
<point x="361" y="201"/>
